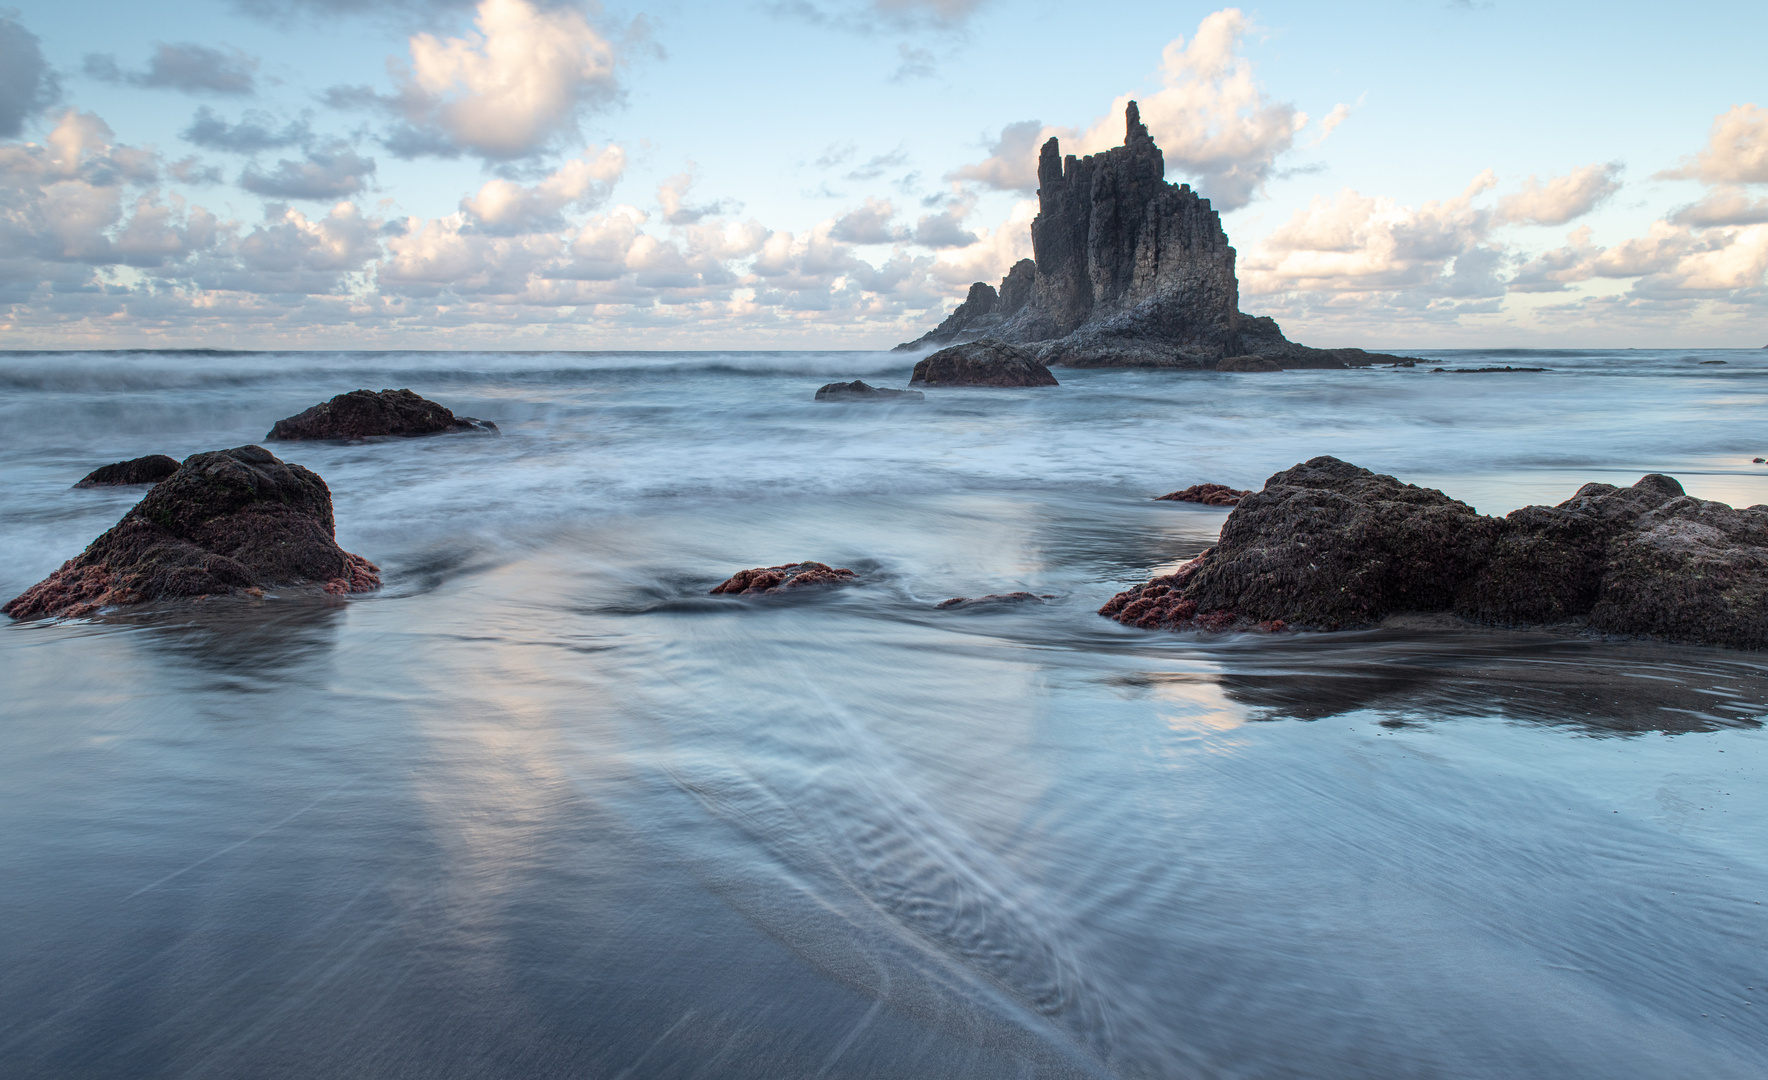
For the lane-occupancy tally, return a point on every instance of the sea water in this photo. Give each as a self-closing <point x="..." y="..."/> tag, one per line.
<point x="542" y="807"/>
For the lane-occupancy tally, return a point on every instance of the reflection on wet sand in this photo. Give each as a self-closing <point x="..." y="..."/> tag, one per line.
<point x="1410" y="673"/>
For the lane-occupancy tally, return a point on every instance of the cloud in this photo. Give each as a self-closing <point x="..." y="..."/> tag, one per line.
<point x="1011" y="164"/>
<point x="1329" y="123"/>
<point x="1358" y="243"/>
<point x="916" y="63"/>
<point x="255" y="131"/>
<point x="1736" y="150"/>
<point x="1211" y="119"/>
<point x="672" y="195"/>
<point x="870" y="16"/>
<point x="329" y="172"/>
<point x="1561" y="198"/>
<point x="869" y="224"/>
<point x="27" y="85"/>
<point x="1723" y="206"/>
<point x="507" y="208"/>
<point x="1556" y="270"/>
<point x="511" y="88"/>
<point x="191" y="68"/>
<point x="879" y="165"/>
<point x="946" y="228"/>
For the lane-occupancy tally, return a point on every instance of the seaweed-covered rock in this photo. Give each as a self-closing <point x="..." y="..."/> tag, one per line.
<point x="361" y="414"/>
<point x="1329" y="545"/>
<point x="227" y="521"/>
<point x="773" y="579"/>
<point x="142" y="470"/>
<point x="1207" y="494"/>
<point x="861" y="391"/>
<point x="984" y="362"/>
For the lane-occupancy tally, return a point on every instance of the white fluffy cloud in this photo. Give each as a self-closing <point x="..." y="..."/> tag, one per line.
<point x="1736" y="150"/>
<point x="504" y="206"/>
<point x="1561" y="198"/>
<point x="513" y="87"/>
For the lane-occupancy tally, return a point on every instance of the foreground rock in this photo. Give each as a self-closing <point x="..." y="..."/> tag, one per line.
<point x="1207" y="494"/>
<point x="773" y="579"/>
<point x="227" y="521"/>
<point x="142" y="470"/>
<point x="1329" y="545"/>
<point x="362" y="414"/>
<point x="982" y="363"/>
<point x="859" y="391"/>
<point x="1128" y="270"/>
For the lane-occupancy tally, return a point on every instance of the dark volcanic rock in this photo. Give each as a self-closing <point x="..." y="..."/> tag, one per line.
<point x="772" y="579"/>
<point x="361" y="414"/>
<point x="859" y="391"/>
<point x="1329" y="545"/>
<point x="227" y="521"/>
<point x="1247" y="362"/>
<point x="983" y="310"/>
<point x="142" y="470"/>
<point x="1482" y="370"/>
<point x="1207" y="494"/>
<point x="982" y="363"/>
<point x="1129" y="271"/>
<point x="992" y="600"/>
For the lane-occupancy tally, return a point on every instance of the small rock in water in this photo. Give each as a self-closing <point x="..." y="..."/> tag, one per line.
<point x="1712" y="361"/>
<point x="984" y="362"/>
<point x="363" y="414"/>
<point x="1207" y="494"/>
<point x="227" y="521"/>
<point x="991" y="600"/>
<point x="860" y="391"/>
<point x="1484" y="370"/>
<point x="142" y="470"/>
<point x="772" y="579"/>
<point x="1758" y="461"/>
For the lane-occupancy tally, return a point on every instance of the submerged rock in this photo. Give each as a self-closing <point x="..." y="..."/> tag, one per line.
<point x="1482" y="370"/>
<point x="982" y="363"/>
<point x="772" y="579"/>
<point x="991" y="600"/>
<point x="860" y="391"/>
<point x="362" y="414"/>
<point x="1248" y="362"/>
<point x="142" y="470"/>
<point x="1207" y="494"/>
<point x="1329" y="545"/>
<point x="227" y="521"/>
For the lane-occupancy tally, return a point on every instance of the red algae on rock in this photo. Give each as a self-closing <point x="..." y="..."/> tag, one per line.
<point x="228" y="521"/>
<point x="1207" y="494"/>
<point x="772" y="579"/>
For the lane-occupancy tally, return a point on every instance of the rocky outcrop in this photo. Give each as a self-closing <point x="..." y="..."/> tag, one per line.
<point x="1207" y="494"/>
<point x="982" y="311"/>
<point x="860" y="391"/>
<point x="1329" y="545"/>
<point x="982" y="363"/>
<point x="227" y="521"/>
<point x="1130" y="270"/>
<point x="773" y="579"/>
<point x="142" y="470"/>
<point x="363" y="414"/>
<point x="1248" y="362"/>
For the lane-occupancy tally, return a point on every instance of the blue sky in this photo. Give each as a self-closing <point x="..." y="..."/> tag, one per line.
<point x="802" y="174"/>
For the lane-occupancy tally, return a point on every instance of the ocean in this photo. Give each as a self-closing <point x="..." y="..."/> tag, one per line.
<point x="542" y="807"/>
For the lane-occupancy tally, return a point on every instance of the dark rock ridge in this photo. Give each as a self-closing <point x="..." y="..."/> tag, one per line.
<point x="1207" y="494"/>
<point x="362" y="414"/>
<point x="227" y="521"/>
<point x="985" y="362"/>
<point x="773" y="579"/>
<point x="982" y="311"/>
<point x="1481" y="370"/>
<point x="1128" y="270"/>
<point x="142" y="470"/>
<point x="1329" y="545"/>
<point x="860" y="391"/>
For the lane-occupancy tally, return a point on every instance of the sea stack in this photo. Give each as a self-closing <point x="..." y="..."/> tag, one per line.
<point x="1128" y="271"/>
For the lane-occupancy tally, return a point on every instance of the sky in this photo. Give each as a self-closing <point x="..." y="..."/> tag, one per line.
<point x="833" y="174"/>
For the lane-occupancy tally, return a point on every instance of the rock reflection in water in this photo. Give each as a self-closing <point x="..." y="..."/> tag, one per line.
<point x="1408" y="674"/>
